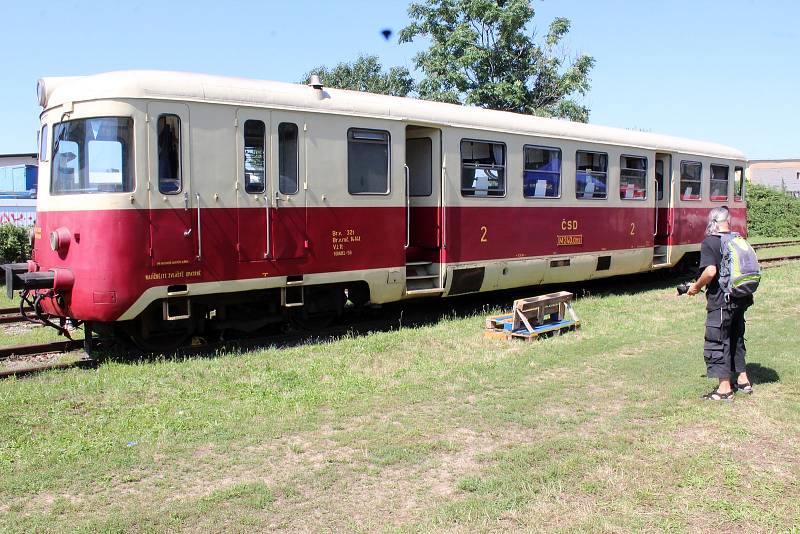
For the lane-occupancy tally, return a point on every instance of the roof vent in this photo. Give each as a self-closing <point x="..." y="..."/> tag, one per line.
<point x="314" y="82"/>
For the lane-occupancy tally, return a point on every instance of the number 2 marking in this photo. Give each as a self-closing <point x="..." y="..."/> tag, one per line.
<point x="483" y="234"/>
<point x="633" y="228"/>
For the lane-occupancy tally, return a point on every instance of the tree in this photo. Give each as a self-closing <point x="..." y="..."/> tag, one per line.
<point x="482" y="53"/>
<point x="366" y="74"/>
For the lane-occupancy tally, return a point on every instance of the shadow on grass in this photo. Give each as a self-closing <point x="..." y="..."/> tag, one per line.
<point x="405" y="314"/>
<point x="759" y="374"/>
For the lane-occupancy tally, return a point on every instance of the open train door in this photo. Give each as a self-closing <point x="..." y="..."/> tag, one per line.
<point x="424" y="272"/>
<point x="174" y="240"/>
<point x="290" y="140"/>
<point x="664" y="209"/>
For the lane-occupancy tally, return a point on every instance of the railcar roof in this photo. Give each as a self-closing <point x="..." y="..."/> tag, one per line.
<point x="248" y="92"/>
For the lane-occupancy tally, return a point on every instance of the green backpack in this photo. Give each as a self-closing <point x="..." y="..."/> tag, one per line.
<point x="739" y="273"/>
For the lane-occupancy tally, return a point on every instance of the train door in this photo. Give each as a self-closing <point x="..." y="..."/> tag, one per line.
<point x="424" y="210"/>
<point x="173" y="210"/>
<point x="289" y="185"/>
<point x="252" y="186"/>
<point x="664" y="208"/>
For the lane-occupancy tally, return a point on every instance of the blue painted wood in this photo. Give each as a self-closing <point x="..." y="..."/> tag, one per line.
<point x="547" y="327"/>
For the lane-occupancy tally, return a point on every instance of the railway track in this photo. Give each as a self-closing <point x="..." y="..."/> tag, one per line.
<point x="776" y="244"/>
<point x="27" y="359"/>
<point x="12" y="315"/>
<point x="780" y="260"/>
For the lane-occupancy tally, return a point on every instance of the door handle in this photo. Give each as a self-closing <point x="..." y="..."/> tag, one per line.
<point x="186" y="200"/>
<point x="655" y="194"/>
<point x="408" y="205"/>
<point x="269" y="227"/>
<point x="199" y="231"/>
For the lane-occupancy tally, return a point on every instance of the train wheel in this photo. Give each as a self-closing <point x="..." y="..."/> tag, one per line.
<point x="161" y="341"/>
<point x="152" y="333"/>
<point x="322" y="306"/>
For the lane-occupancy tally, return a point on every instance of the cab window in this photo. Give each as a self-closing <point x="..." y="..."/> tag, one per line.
<point x="169" y="154"/>
<point x="43" y="144"/>
<point x="92" y="155"/>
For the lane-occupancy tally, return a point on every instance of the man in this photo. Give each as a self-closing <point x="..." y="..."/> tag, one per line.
<point x="724" y="349"/>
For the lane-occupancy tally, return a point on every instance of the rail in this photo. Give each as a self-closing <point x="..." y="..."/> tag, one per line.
<point x="41" y="357"/>
<point x="775" y="244"/>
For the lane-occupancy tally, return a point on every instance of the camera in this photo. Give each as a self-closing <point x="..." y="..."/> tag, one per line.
<point x="683" y="288"/>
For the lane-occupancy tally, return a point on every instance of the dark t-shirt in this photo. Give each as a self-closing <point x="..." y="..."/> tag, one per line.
<point x="711" y="254"/>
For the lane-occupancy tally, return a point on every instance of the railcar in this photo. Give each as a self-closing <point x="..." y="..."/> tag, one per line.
<point x="174" y="203"/>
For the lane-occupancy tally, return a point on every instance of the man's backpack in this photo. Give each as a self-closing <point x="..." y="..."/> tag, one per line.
<point x="739" y="273"/>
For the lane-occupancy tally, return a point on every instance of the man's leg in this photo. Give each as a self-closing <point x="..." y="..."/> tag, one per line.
<point x="738" y="347"/>
<point x="716" y="349"/>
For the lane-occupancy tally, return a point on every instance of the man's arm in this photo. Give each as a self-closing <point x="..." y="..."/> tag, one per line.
<point x="706" y="277"/>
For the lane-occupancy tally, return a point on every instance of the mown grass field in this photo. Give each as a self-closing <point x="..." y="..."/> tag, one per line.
<point x="432" y="428"/>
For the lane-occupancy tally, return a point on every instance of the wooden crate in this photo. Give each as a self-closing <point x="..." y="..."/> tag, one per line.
<point x="534" y="317"/>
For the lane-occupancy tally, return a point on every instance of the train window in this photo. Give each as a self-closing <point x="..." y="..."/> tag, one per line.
<point x="660" y="179"/>
<point x="287" y="158"/>
<point x="483" y="169"/>
<point x="255" y="175"/>
<point x="419" y="156"/>
<point x="105" y="164"/>
<point x="367" y="161"/>
<point x="738" y="184"/>
<point x="591" y="174"/>
<point x="541" y="176"/>
<point x="691" y="172"/>
<point x="632" y="178"/>
<point x="719" y="183"/>
<point x="43" y="144"/>
<point x="92" y="156"/>
<point x="169" y="154"/>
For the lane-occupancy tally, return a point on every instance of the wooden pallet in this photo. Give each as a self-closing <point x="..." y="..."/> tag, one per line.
<point x="534" y="317"/>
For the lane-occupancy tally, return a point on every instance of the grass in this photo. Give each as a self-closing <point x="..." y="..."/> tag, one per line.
<point x="423" y="429"/>
<point x="754" y="239"/>
<point x="12" y="334"/>
<point x="776" y="252"/>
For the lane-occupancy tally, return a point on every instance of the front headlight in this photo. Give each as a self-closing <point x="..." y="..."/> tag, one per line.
<point x="60" y="239"/>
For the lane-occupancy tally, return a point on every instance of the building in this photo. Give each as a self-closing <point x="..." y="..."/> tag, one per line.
<point x="10" y="160"/>
<point x="18" y="176"/>
<point x="777" y="173"/>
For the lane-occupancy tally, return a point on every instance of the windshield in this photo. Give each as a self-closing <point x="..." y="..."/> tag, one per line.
<point x="92" y="156"/>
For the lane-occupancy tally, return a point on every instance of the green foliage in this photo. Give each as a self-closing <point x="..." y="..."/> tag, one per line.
<point x="14" y="243"/>
<point x="771" y="212"/>
<point x="482" y="53"/>
<point x="365" y="74"/>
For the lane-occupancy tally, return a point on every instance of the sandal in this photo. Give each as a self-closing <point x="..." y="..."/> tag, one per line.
<point x="715" y="395"/>
<point x="747" y="387"/>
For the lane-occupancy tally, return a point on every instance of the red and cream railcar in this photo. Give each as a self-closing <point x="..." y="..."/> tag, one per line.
<point x="170" y="202"/>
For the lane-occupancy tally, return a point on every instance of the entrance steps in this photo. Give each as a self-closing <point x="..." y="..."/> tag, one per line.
<point x="660" y="258"/>
<point x="422" y="277"/>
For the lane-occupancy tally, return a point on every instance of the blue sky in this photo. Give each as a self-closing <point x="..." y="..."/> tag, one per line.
<point x="722" y="71"/>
